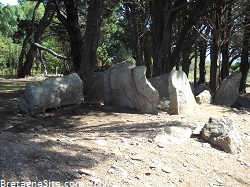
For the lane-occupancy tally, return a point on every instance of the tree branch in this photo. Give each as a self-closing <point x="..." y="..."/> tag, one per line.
<point x="49" y="51"/>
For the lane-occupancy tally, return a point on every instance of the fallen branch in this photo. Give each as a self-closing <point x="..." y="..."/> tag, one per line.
<point x="49" y="51"/>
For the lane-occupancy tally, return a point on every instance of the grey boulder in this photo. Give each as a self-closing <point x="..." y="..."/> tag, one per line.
<point x="222" y="133"/>
<point x="181" y="97"/>
<point x="51" y="93"/>
<point x="129" y="87"/>
<point x="228" y="91"/>
<point x="160" y="83"/>
<point x="96" y="92"/>
<point x="204" y="97"/>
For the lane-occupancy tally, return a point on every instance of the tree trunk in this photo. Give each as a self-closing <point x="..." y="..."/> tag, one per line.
<point x="215" y="50"/>
<point x="158" y="27"/>
<point x="90" y="44"/>
<point x="186" y="51"/>
<point x="225" y="60"/>
<point x="28" y="36"/>
<point x="245" y="64"/>
<point x="43" y="24"/>
<point x="132" y="17"/>
<point x="165" y="57"/>
<point x="226" y="27"/>
<point x="202" y="69"/>
<point x="214" y="64"/>
<point x="147" y="55"/>
<point x="72" y="26"/>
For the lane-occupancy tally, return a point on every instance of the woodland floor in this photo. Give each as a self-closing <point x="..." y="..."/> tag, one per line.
<point x="102" y="146"/>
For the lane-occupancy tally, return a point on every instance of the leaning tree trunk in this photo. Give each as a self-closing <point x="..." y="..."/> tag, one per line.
<point x="28" y="36"/>
<point x="90" y="44"/>
<point x="43" y="24"/>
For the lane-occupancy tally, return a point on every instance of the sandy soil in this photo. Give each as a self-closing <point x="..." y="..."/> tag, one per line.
<point x="84" y="145"/>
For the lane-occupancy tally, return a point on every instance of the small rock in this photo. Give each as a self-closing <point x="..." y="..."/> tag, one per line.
<point x="167" y="169"/>
<point x="100" y="142"/>
<point x="39" y="116"/>
<point x="152" y="167"/>
<point x="111" y="171"/>
<point x="136" y="157"/>
<point x="185" y="164"/>
<point x="75" y="175"/>
<point x="123" y="171"/>
<point x="85" y="172"/>
<point x="36" y="152"/>
<point x="160" y="145"/>
<point x="150" y="140"/>
<point x="243" y="162"/>
<point x="95" y="180"/>
<point x="219" y="180"/>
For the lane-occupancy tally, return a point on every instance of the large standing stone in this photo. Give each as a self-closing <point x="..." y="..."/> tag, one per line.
<point x="160" y="83"/>
<point x="181" y="97"/>
<point x="229" y="90"/>
<point x="222" y="133"/>
<point x="96" y="92"/>
<point x="129" y="87"/>
<point x="51" y="93"/>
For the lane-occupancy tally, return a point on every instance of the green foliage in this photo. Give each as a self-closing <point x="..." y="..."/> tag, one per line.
<point x="14" y="22"/>
<point x="9" y="16"/>
<point x="52" y="62"/>
<point x="235" y="67"/>
<point x="28" y="8"/>
<point x="8" y="55"/>
<point x="112" y="48"/>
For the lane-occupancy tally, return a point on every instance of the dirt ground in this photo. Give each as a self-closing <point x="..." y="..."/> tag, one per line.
<point x="84" y="145"/>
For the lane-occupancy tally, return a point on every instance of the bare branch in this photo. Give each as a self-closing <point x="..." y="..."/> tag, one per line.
<point x="49" y="51"/>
